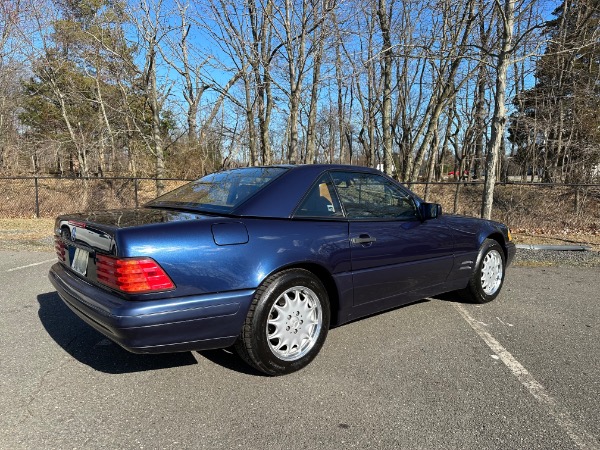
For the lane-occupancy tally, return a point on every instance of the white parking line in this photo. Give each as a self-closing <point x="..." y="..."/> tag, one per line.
<point x="31" y="265"/>
<point x="581" y="437"/>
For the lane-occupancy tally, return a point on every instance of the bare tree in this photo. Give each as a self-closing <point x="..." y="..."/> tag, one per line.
<point x="480" y="98"/>
<point x="152" y="30"/>
<point x="10" y="12"/>
<point x="293" y="28"/>
<point x="446" y="85"/>
<point x="261" y="68"/>
<point x="367" y="86"/>
<point x="506" y="13"/>
<point x="318" y="45"/>
<point x="177" y="53"/>
<point x="343" y="85"/>
<point x="245" y="34"/>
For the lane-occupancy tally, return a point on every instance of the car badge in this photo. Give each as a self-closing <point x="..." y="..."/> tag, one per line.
<point x="73" y="233"/>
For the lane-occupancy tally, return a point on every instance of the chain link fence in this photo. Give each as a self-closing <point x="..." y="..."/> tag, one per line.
<point x="550" y="207"/>
<point x="521" y="205"/>
<point x="27" y="197"/>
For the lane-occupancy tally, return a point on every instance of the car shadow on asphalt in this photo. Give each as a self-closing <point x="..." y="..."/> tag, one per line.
<point x="453" y="297"/>
<point x="94" y="350"/>
<point x="227" y="358"/>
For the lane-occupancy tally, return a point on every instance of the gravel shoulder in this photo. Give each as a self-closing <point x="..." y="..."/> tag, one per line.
<point x="551" y="258"/>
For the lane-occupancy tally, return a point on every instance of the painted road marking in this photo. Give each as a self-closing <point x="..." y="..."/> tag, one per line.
<point x="581" y="437"/>
<point x="31" y="265"/>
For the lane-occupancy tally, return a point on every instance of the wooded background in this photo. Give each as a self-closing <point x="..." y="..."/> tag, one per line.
<point x="421" y="89"/>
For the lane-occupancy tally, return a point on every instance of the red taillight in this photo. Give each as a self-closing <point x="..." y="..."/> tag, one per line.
<point x="132" y="275"/>
<point x="59" y="246"/>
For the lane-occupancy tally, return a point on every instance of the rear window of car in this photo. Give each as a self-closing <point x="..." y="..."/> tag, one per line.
<point x="219" y="192"/>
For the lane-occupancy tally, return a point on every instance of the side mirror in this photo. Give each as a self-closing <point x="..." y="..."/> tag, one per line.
<point x="431" y="210"/>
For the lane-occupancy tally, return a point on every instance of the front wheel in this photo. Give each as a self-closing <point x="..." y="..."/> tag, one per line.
<point x="487" y="279"/>
<point x="287" y="323"/>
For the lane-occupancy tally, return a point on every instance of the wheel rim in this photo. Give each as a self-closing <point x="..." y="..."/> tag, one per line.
<point x="491" y="272"/>
<point x="294" y="323"/>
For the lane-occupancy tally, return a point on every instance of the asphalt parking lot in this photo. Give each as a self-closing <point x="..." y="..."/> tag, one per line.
<point x="522" y="372"/>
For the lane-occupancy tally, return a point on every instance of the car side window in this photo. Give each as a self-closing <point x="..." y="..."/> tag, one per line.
<point x="321" y="201"/>
<point x="372" y="196"/>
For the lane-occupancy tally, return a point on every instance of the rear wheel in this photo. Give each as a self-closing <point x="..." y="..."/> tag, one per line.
<point x="287" y="323"/>
<point x="487" y="279"/>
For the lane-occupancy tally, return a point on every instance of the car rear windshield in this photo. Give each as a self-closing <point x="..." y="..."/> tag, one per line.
<point x="219" y="192"/>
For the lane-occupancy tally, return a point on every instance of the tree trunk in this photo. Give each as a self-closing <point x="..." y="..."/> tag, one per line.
<point x="339" y="74"/>
<point x="265" y="120"/>
<point x="479" y="121"/>
<point x="156" y="136"/>
<point x="499" y="115"/>
<point x="250" y="121"/>
<point x="480" y="110"/>
<point x="81" y="150"/>
<point x="261" y="63"/>
<point x="311" y="134"/>
<point x="386" y="113"/>
<point x="432" y="161"/>
<point x="295" y="45"/>
<point x="104" y="116"/>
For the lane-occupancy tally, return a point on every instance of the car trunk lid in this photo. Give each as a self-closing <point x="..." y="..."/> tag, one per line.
<point x="80" y="237"/>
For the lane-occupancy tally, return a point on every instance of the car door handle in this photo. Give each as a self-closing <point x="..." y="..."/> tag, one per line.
<point x="363" y="239"/>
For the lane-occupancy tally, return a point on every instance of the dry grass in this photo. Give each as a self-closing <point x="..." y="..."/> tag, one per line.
<point x="529" y="209"/>
<point x="535" y="214"/>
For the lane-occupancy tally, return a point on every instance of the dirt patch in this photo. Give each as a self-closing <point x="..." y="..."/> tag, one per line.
<point x="27" y="234"/>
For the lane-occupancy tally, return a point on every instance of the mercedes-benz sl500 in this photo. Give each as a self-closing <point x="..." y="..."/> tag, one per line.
<point x="267" y="259"/>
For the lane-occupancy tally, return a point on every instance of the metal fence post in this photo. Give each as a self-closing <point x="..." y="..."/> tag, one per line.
<point x="135" y="190"/>
<point x="37" y="198"/>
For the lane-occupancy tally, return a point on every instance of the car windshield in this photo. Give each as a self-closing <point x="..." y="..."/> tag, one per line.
<point x="219" y="192"/>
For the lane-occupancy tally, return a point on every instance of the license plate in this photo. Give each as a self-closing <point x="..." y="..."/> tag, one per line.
<point x="80" y="261"/>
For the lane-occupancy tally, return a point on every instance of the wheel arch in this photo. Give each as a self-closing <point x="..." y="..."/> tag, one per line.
<point x="65" y="228"/>
<point x="324" y="277"/>
<point x="497" y="236"/>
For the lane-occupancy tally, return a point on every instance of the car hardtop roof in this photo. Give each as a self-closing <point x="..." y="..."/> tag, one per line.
<point x="335" y="167"/>
<point x="279" y="198"/>
<point x="315" y="167"/>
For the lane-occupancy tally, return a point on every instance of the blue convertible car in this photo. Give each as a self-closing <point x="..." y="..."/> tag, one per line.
<point x="267" y="259"/>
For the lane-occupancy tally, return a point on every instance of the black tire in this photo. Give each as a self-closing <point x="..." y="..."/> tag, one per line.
<point x="299" y="293"/>
<point x="487" y="280"/>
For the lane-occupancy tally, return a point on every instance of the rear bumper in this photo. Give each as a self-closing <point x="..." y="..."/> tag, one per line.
<point x="158" y="326"/>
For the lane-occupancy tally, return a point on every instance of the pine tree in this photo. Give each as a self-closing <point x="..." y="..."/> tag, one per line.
<point x="557" y="126"/>
<point x="84" y="92"/>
